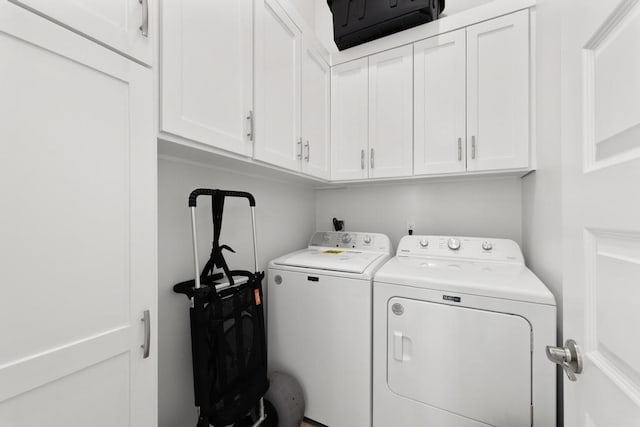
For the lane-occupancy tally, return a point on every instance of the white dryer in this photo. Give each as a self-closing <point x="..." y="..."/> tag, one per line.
<point x="319" y="323"/>
<point x="460" y="329"/>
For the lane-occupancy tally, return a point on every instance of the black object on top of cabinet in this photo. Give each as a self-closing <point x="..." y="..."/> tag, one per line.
<point x="359" y="21"/>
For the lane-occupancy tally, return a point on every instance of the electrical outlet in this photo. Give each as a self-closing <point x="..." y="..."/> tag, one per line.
<point x="411" y="224"/>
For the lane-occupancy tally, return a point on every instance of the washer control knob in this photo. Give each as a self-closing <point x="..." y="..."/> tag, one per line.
<point x="326" y="237"/>
<point x="487" y="246"/>
<point x="346" y="238"/>
<point x="424" y="243"/>
<point x="453" y="243"/>
<point x="367" y="239"/>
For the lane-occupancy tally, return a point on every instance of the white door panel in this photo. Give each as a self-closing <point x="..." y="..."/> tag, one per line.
<point x="601" y="159"/>
<point x="316" y="105"/>
<point x="113" y="23"/>
<point x="78" y="246"/>
<point x="498" y="93"/>
<point x="278" y="50"/>
<point x="391" y="113"/>
<point x="349" y="120"/>
<point x="207" y="93"/>
<point x="440" y="104"/>
<point x="446" y="357"/>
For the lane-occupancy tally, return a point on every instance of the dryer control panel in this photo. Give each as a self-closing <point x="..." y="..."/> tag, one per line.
<point x="374" y="242"/>
<point x="471" y="248"/>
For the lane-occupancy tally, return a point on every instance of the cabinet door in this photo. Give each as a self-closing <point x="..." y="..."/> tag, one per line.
<point x="498" y="93"/>
<point x="278" y="49"/>
<point x="78" y="165"/>
<point x="316" y="89"/>
<point x="207" y="72"/>
<point x="440" y="104"/>
<point x="116" y="23"/>
<point x="391" y="113"/>
<point x="349" y="106"/>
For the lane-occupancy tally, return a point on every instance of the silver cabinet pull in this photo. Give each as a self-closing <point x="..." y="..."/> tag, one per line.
<point x="371" y="158"/>
<point x="250" y="119"/>
<point x="146" y="346"/>
<point x="459" y="149"/>
<point x="473" y="147"/>
<point x="299" y="143"/>
<point x="569" y="357"/>
<point x="362" y="159"/>
<point x="144" y="28"/>
<point x="306" y="145"/>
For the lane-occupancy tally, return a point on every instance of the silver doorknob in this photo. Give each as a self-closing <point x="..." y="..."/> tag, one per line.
<point x="569" y="357"/>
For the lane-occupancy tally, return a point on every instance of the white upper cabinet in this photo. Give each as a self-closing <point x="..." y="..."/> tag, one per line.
<point x="391" y="113"/>
<point x="123" y="25"/>
<point x="498" y="93"/>
<point x="349" y="120"/>
<point x="316" y="105"/>
<point x="440" y="104"/>
<point x="207" y="72"/>
<point x="278" y="74"/>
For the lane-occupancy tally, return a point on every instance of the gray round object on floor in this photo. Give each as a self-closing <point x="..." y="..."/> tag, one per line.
<point x="286" y="396"/>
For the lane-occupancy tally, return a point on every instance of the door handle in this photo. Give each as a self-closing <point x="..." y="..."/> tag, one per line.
<point x="144" y="28"/>
<point x="371" y="158"/>
<point x="473" y="147"/>
<point x="250" y="119"/>
<point x="362" y="159"/>
<point x="398" y="351"/>
<point x="569" y="357"/>
<point x="146" y="345"/>
<point x="299" y="143"/>
<point x="306" y="145"/>
<point x="459" y="149"/>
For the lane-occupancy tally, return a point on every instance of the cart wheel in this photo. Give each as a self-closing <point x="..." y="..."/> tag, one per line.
<point x="271" y="413"/>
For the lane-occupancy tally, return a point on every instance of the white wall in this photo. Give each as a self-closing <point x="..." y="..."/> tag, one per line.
<point x="475" y="207"/>
<point x="285" y="219"/>
<point x="542" y="190"/>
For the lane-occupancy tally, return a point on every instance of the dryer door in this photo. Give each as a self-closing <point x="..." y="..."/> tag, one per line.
<point x="471" y="362"/>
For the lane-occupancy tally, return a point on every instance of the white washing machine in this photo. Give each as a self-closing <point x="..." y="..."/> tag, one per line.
<point x="319" y="323"/>
<point x="460" y="328"/>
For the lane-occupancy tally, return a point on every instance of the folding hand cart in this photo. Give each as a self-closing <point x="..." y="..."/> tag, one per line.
<point x="227" y="329"/>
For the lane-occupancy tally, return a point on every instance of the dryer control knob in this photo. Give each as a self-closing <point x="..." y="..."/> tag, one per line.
<point x="346" y="238"/>
<point x="454" y="244"/>
<point x="424" y="243"/>
<point x="326" y="237"/>
<point x="367" y="239"/>
<point x="487" y="246"/>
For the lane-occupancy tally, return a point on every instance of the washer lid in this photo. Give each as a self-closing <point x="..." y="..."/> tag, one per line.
<point x="498" y="280"/>
<point x="333" y="259"/>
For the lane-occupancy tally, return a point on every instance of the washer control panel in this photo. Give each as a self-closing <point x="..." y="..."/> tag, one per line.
<point x="351" y="240"/>
<point x="486" y="249"/>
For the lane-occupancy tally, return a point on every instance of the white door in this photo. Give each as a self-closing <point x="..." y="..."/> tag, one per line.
<point x="316" y="105"/>
<point x="115" y="23"/>
<point x="391" y="113"/>
<point x="207" y="72"/>
<point x="498" y="93"/>
<point x="440" y="104"/>
<point x="601" y="159"/>
<point x="349" y="117"/>
<point x="78" y="183"/>
<point x="278" y="44"/>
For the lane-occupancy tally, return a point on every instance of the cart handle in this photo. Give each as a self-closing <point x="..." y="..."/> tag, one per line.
<point x="208" y="192"/>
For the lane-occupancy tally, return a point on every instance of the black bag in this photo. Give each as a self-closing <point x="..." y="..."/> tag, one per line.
<point x="359" y="21"/>
<point x="227" y="329"/>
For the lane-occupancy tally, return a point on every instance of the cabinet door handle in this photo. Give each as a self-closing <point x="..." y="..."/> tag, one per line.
<point x="371" y="158"/>
<point x="306" y="144"/>
<point x="473" y="147"/>
<point x="459" y="149"/>
<point x="144" y="28"/>
<point x="250" y="119"/>
<point x="362" y="159"/>
<point x="299" y="155"/>
<point x="146" y="345"/>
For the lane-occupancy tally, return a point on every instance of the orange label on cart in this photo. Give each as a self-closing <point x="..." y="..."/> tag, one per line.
<point x="256" y="292"/>
<point x="332" y="252"/>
